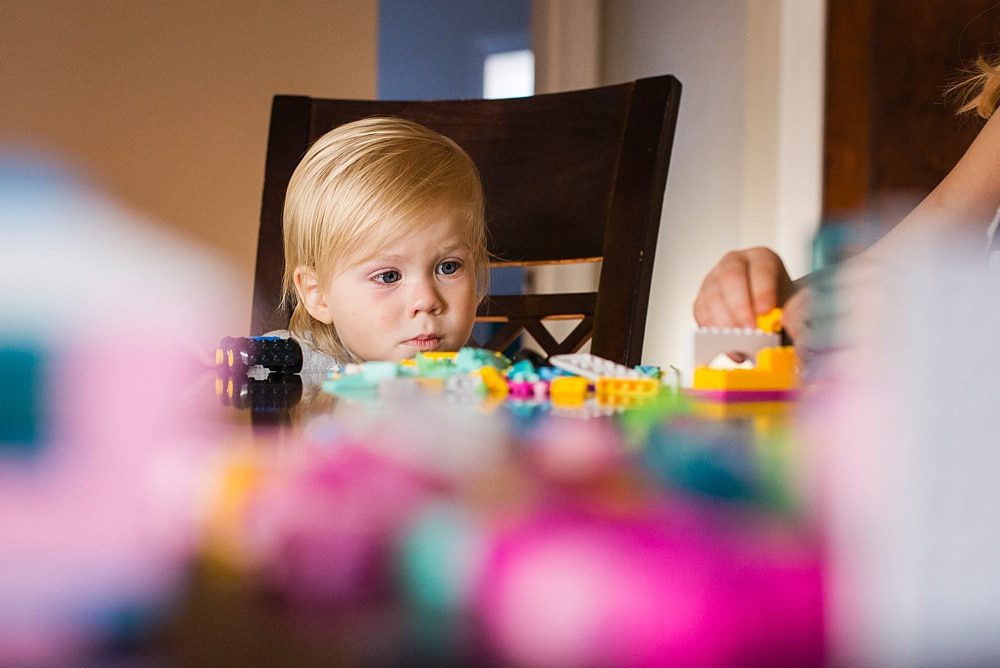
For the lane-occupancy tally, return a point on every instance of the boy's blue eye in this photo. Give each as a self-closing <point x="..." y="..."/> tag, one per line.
<point x="390" y="276"/>
<point x="449" y="267"/>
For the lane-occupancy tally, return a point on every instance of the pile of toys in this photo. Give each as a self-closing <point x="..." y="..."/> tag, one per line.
<point x="566" y="381"/>
<point x="570" y="381"/>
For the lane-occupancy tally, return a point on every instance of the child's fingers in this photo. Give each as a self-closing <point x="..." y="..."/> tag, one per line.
<point x="733" y="281"/>
<point x="769" y="280"/>
<point x="710" y="306"/>
<point x="709" y="309"/>
<point x="743" y="285"/>
<point x="764" y="278"/>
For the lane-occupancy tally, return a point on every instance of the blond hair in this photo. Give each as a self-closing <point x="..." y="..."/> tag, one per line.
<point x="363" y="185"/>
<point x="979" y="88"/>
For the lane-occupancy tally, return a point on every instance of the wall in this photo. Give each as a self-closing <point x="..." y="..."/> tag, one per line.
<point x="434" y="49"/>
<point x="746" y="163"/>
<point x="166" y="105"/>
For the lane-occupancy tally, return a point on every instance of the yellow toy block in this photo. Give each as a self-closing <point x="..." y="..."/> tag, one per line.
<point x="610" y="387"/>
<point x="496" y="384"/>
<point x="776" y="369"/>
<point x="568" y="391"/>
<point x="430" y="355"/>
<point x="770" y="321"/>
<point x="625" y="392"/>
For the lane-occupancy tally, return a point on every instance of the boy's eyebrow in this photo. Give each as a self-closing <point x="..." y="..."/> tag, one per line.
<point x="399" y="256"/>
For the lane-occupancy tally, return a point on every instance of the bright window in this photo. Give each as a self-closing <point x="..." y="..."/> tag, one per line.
<point x="509" y="74"/>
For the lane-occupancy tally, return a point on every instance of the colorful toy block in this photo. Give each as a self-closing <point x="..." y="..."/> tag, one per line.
<point x="568" y="391"/>
<point x="496" y="384"/>
<point x="710" y="342"/>
<point x="774" y="376"/>
<point x="770" y="321"/>
<point x="625" y="391"/>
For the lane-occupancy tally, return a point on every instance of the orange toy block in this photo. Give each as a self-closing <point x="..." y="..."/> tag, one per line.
<point x="776" y="369"/>
<point x="770" y="321"/>
<point x="610" y="387"/>
<point x="624" y="392"/>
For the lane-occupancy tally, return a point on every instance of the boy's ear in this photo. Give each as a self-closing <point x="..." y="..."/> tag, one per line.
<point x="311" y="295"/>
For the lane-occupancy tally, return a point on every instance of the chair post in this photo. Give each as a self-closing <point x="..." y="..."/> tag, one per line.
<point x="288" y="139"/>
<point x="629" y="247"/>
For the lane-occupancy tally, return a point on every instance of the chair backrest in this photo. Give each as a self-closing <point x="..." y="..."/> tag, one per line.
<point x="568" y="177"/>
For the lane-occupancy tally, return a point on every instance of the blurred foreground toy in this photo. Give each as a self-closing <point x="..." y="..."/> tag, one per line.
<point x="674" y="586"/>
<point x="100" y="454"/>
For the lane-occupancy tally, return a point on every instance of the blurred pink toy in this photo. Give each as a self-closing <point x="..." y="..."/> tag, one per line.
<point x="98" y="460"/>
<point x="569" y="588"/>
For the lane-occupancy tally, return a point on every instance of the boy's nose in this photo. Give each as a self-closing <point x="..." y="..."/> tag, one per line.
<point x="425" y="299"/>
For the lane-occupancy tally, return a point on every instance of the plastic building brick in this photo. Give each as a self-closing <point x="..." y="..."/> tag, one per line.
<point x="649" y="371"/>
<point x="237" y="354"/>
<point x="710" y="342"/>
<point x="496" y="385"/>
<point x="435" y="365"/>
<point x="774" y="376"/>
<point x="625" y="392"/>
<point x="521" y="389"/>
<point x="568" y="391"/>
<point x="528" y="390"/>
<point x="376" y="372"/>
<point x="362" y="379"/>
<point x="435" y="356"/>
<point x="540" y="389"/>
<point x="472" y="359"/>
<point x="522" y="370"/>
<point x="770" y="321"/>
<point x="592" y="366"/>
<point x="352" y="384"/>
<point x="468" y="385"/>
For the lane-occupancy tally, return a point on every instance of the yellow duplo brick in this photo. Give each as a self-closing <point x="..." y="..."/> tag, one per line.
<point x="770" y="321"/>
<point x="776" y="369"/>
<point x="626" y="386"/>
<point x="496" y="385"/>
<point x="781" y="360"/>
<point x="432" y="355"/>
<point x="568" y="390"/>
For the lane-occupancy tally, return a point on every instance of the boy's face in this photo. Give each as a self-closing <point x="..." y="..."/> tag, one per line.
<point x="416" y="294"/>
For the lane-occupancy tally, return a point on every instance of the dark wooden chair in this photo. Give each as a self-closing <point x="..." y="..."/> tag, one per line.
<point x="568" y="177"/>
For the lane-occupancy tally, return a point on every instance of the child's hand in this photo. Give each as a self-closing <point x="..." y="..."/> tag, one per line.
<point x="743" y="285"/>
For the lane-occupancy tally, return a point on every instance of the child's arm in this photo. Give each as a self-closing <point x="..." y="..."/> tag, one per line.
<point x="749" y="282"/>
<point x="961" y="207"/>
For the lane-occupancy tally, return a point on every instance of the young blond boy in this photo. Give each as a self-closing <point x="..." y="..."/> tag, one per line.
<point x="385" y="244"/>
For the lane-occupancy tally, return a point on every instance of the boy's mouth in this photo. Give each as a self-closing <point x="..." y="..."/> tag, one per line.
<point x="424" y="342"/>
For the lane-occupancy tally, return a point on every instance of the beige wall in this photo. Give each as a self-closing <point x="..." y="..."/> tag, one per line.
<point x="166" y="105"/>
<point x="746" y="166"/>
